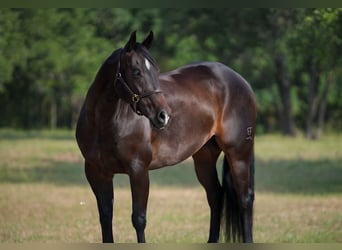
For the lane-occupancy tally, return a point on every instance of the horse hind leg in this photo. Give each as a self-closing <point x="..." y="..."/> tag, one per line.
<point x="238" y="185"/>
<point x="205" y="167"/>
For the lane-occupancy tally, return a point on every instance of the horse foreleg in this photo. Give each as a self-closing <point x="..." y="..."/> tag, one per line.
<point x="139" y="181"/>
<point x="103" y="190"/>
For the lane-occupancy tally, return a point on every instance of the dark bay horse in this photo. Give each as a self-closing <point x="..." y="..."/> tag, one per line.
<point x="134" y="120"/>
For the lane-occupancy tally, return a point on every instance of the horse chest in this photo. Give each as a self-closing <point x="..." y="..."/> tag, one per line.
<point x="119" y="153"/>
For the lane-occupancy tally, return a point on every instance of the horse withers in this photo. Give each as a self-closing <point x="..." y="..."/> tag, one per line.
<point x="135" y="119"/>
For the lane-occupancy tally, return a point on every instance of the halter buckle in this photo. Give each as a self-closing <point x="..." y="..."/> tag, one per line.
<point x="135" y="98"/>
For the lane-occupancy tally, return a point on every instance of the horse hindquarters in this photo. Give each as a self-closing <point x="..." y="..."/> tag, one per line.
<point x="235" y="137"/>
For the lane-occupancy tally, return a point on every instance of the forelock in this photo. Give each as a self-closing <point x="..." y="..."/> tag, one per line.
<point x="145" y="53"/>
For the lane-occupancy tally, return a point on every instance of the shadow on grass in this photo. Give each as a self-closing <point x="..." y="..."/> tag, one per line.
<point x="12" y="134"/>
<point x="67" y="173"/>
<point x="322" y="176"/>
<point x="58" y="173"/>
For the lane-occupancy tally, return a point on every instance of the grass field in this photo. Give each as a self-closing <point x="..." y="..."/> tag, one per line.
<point x="44" y="196"/>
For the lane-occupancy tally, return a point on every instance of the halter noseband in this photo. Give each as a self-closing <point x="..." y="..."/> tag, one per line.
<point x="133" y="98"/>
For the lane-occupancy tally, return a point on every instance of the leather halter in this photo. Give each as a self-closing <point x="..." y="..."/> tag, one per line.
<point x="133" y="98"/>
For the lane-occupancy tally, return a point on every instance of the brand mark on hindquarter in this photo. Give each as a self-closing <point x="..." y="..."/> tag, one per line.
<point x="249" y="133"/>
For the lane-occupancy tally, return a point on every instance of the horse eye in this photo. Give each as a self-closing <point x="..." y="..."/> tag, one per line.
<point x="136" y="72"/>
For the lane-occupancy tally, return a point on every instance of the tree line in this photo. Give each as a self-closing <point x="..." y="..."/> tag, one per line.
<point x="291" y="57"/>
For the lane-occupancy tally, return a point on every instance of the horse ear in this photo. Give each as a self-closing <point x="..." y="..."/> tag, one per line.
<point x="148" y="40"/>
<point x="131" y="42"/>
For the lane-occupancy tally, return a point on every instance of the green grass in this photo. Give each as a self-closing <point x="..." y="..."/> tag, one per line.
<point x="45" y="196"/>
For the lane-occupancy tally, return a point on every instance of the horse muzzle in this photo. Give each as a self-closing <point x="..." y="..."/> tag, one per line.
<point x="161" y="120"/>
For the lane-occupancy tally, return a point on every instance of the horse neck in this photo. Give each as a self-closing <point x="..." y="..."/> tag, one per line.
<point x="105" y="75"/>
<point x="102" y="87"/>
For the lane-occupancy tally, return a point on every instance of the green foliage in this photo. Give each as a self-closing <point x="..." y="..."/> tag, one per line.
<point x="50" y="56"/>
<point x="11" y="45"/>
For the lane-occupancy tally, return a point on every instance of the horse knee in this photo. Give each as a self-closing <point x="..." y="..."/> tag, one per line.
<point x="139" y="221"/>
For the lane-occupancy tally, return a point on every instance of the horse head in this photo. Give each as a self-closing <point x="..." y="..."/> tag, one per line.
<point x="137" y="82"/>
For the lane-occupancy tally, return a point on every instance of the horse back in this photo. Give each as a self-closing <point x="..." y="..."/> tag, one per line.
<point x="214" y="81"/>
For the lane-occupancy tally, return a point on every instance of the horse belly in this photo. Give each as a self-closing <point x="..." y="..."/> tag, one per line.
<point x="171" y="155"/>
<point x="182" y="139"/>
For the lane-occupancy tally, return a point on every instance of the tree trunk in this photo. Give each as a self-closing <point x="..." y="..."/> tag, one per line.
<point x="284" y="87"/>
<point x="53" y="113"/>
<point x="323" y="106"/>
<point x="312" y="99"/>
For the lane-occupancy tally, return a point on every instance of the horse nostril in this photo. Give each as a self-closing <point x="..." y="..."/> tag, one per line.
<point x="163" y="117"/>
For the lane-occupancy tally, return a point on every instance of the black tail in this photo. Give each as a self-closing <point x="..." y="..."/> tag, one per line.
<point x="232" y="212"/>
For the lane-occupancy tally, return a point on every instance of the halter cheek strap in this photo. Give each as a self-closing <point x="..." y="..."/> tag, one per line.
<point x="133" y="98"/>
